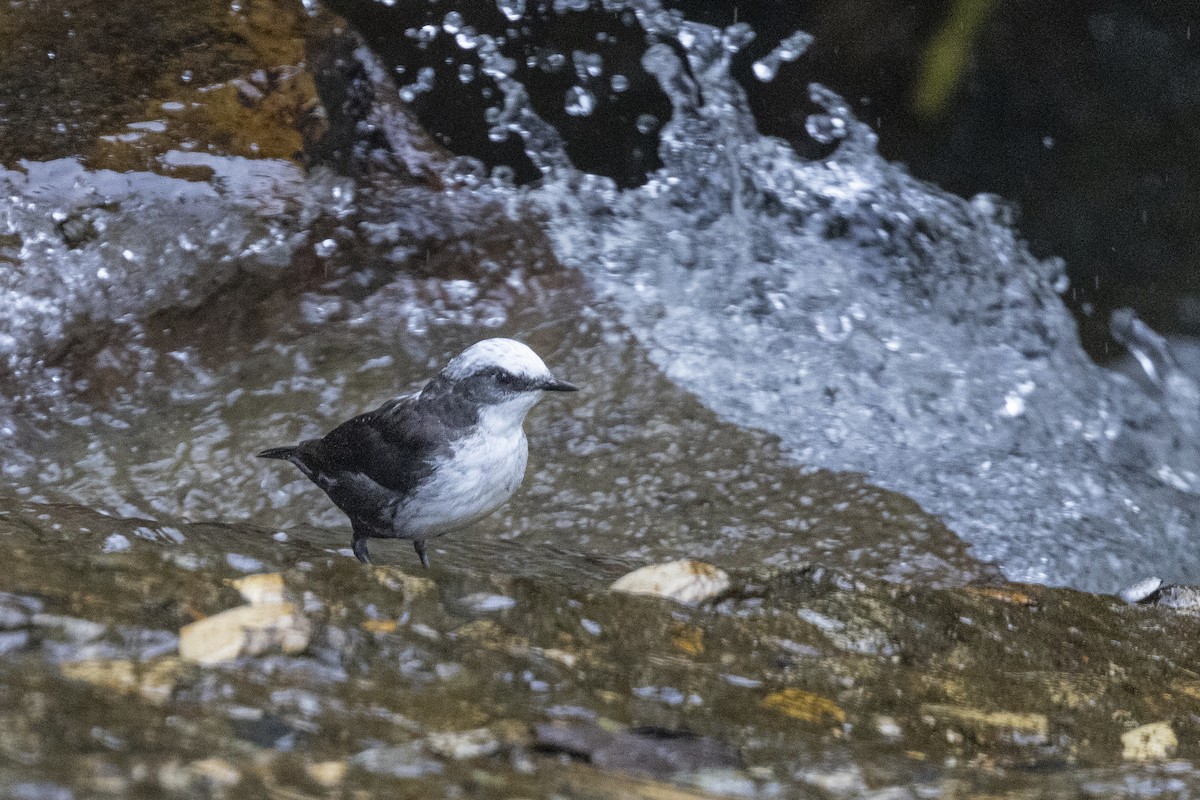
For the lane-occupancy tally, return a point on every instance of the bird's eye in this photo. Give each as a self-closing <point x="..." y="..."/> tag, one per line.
<point x="506" y="379"/>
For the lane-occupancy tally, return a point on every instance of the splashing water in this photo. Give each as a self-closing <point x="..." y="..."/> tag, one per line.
<point x="955" y="375"/>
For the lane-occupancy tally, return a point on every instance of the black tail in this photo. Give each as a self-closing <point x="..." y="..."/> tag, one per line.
<point x="284" y="453"/>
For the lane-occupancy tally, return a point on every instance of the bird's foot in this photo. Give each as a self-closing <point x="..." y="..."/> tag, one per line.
<point x="419" y="546"/>
<point x="360" y="549"/>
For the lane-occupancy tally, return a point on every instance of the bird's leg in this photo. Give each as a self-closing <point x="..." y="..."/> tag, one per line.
<point x="360" y="547"/>
<point x="419" y="546"/>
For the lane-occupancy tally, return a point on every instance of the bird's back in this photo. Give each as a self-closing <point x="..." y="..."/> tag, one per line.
<point x="368" y="464"/>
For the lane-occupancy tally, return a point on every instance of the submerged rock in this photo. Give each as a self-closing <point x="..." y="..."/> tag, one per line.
<point x="659" y="753"/>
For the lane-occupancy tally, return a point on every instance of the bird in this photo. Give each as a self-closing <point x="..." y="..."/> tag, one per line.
<point x="435" y="461"/>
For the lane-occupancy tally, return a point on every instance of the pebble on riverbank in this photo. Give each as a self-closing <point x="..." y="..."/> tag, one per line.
<point x="686" y="581"/>
<point x="1153" y="742"/>
<point x="248" y="630"/>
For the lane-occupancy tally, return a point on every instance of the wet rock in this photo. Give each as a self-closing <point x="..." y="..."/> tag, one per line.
<point x="261" y="588"/>
<point x="589" y="783"/>
<point x="152" y="680"/>
<point x="806" y="706"/>
<point x="487" y="602"/>
<point x="327" y="774"/>
<point x="396" y="579"/>
<point x="248" y="630"/>
<point x="16" y="611"/>
<point x="459" y="745"/>
<point x="687" y="582"/>
<point x="208" y="777"/>
<point x="1153" y="742"/>
<point x="73" y="629"/>
<point x="992" y="726"/>
<point x="1153" y="592"/>
<point x="650" y="751"/>
<point x="401" y="761"/>
<point x="11" y="641"/>
<point x="1141" y="591"/>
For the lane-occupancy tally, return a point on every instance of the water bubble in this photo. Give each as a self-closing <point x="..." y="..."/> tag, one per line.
<point x="504" y="175"/>
<point x="765" y="69"/>
<point x="424" y="35"/>
<point x="587" y="65"/>
<point x="786" y="51"/>
<point x="466" y="39"/>
<point x="554" y="62"/>
<point x="512" y="10"/>
<point x="737" y="36"/>
<point x="452" y="22"/>
<point x="825" y="128"/>
<point x="580" y="102"/>
<point x="619" y="83"/>
<point x="647" y="123"/>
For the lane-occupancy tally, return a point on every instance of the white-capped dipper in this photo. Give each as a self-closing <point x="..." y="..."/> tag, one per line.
<point x="425" y="464"/>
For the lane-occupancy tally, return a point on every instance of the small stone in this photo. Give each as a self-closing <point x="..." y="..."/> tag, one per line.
<point x="1141" y="591"/>
<point x="804" y="706"/>
<point x="686" y="581"/>
<point x="380" y="625"/>
<point x="461" y="745"/>
<point x="209" y="777"/>
<point x="216" y="773"/>
<point x="327" y="774"/>
<point x="485" y="602"/>
<point x="397" y="580"/>
<point x="16" y="611"/>
<point x="888" y="726"/>
<point x="76" y="630"/>
<point x="265" y="587"/>
<point x="1153" y="742"/>
<point x="401" y="761"/>
<point x="152" y="680"/>
<point x="1018" y="728"/>
<point x="248" y="630"/>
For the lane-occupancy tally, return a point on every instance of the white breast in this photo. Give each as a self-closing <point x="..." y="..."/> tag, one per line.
<point x="485" y="469"/>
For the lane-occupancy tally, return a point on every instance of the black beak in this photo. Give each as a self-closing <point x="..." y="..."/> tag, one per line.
<point x="555" y="385"/>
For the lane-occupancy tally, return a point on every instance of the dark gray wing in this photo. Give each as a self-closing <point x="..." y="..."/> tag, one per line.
<point x="370" y="462"/>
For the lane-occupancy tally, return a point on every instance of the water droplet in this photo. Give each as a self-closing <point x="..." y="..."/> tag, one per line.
<point x="647" y="123"/>
<point x="587" y="65"/>
<point x="786" y="51"/>
<point x="512" y="10"/>
<point x="737" y="36"/>
<point x="452" y="22"/>
<point x="580" y="102"/>
<point x="765" y="69"/>
<point x="825" y="129"/>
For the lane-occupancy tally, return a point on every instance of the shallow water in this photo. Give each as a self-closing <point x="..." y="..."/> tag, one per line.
<point x="870" y="322"/>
